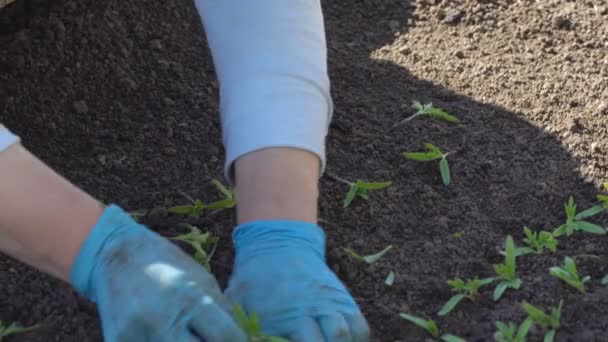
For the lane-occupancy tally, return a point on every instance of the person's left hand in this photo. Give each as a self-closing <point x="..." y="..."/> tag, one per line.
<point x="280" y="273"/>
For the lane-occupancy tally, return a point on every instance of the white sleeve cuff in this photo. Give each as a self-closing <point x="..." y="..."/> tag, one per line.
<point x="271" y="61"/>
<point x="6" y="138"/>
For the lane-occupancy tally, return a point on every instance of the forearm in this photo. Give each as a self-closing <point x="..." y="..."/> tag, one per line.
<point x="270" y="58"/>
<point x="43" y="218"/>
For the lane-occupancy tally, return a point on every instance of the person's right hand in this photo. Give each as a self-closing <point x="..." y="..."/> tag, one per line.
<point x="146" y="288"/>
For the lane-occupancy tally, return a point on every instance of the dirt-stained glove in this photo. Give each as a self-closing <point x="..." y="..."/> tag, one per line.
<point x="280" y="273"/>
<point x="147" y="289"/>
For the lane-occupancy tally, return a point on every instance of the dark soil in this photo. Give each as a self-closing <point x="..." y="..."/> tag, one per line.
<point x="121" y="98"/>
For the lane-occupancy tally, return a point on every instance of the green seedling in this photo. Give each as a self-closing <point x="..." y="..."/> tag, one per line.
<point x="204" y="244"/>
<point x="390" y="279"/>
<point x="251" y="326"/>
<point x="229" y="200"/>
<point x="368" y="259"/>
<point x="15" y="328"/>
<point x="605" y="280"/>
<point x="361" y="189"/>
<point x="604" y="198"/>
<point x="537" y="242"/>
<point x="137" y="214"/>
<point x="550" y="321"/>
<point x="193" y="210"/>
<point x="434" y="153"/>
<point x="506" y="272"/>
<point x="464" y="289"/>
<point x="423" y="110"/>
<point x="431" y="328"/>
<point x="574" y="221"/>
<point x="510" y="332"/>
<point x="569" y="274"/>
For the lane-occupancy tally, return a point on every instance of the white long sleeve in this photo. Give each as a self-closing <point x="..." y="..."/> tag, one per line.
<point x="6" y="138"/>
<point x="271" y="61"/>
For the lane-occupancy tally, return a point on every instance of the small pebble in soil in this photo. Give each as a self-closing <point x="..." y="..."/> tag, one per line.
<point x="453" y="16"/>
<point x="563" y="23"/>
<point x="81" y="107"/>
<point x="459" y="54"/>
<point x="156" y="44"/>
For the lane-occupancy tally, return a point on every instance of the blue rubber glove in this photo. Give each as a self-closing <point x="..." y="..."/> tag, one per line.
<point x="280" y="273"/>
<point x="147" y="289"/>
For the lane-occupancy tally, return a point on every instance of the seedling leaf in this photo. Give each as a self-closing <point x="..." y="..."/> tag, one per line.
<point x="251" y="326"/>
<point x="421" y="156"/>
<point x="228" y="193"/>
<point x="204" y="244"/>
<point x="605" y="280"/>
<point x="350" y="196"/>
<point x="569" y="274"/>
<point x="369" y="259"/>
<point x="589" y="227"/>
<point x="430" y="326"/>
<point x="452" y="338"/>
<point x="371" y="186"/>
<point x="14" y="328"/>
<point x="222" y="204"/>
<point x="596" y="209"/>
<point x="444" y="169"/>
<point x="390" y="279"/>
<point x="451" y="304"/>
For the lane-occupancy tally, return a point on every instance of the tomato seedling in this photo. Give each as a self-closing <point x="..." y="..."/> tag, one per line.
<point x="569" y="274"/>
<point x="434" y="153"/>
<point x="14" y="328"/>
<point x="359" y="188"/>
<point x="422" y="110"/>
<point x="251" y="326"/>
<point x="506" y="272"/>
<point x="193" y="210"/>
<point x="574" y="221"/>
<point x="464" y="289"/>
<point x="511" y="333"/>
<point x="537" y="242"/>
<point x="431" y="328"/>
<point x="368" y="259"/>
<point x="229" y="200"/>
<point x="204" y="244"/>
<point x="550" y="321"/>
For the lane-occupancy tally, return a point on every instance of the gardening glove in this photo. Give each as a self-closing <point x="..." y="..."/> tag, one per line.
<point x="146" y="288"/>
<point x="280" y="273"/>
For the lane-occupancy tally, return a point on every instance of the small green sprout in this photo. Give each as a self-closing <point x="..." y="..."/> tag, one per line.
<point x="569" y="274"/>
<point x="204" y="244"/>
<point x="15" y="328"/>
<point x="510" y="332"/>
<point x="433" y="112"/>
<point x="422" y="110"/>
<point x="464" y="289"/>
<point x="369" y="259"/>
<point x="604" y="198"/>
<point x="434" y="154"/>
<point x="137" y="214"/>
<point x="507" y="271"/>
<point x="362" y="189"/>
<point x="574" y="221"/>
<point x="537" y="242"/>
<point x="193" y="210"/>
<point x="251" y="325"/>
<point x="229" y="200"/>
<point x="390" y="279"/>
<point x="605" y="280"/>
<point x="431" y="328"/>
<point x="547" y="321"/>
